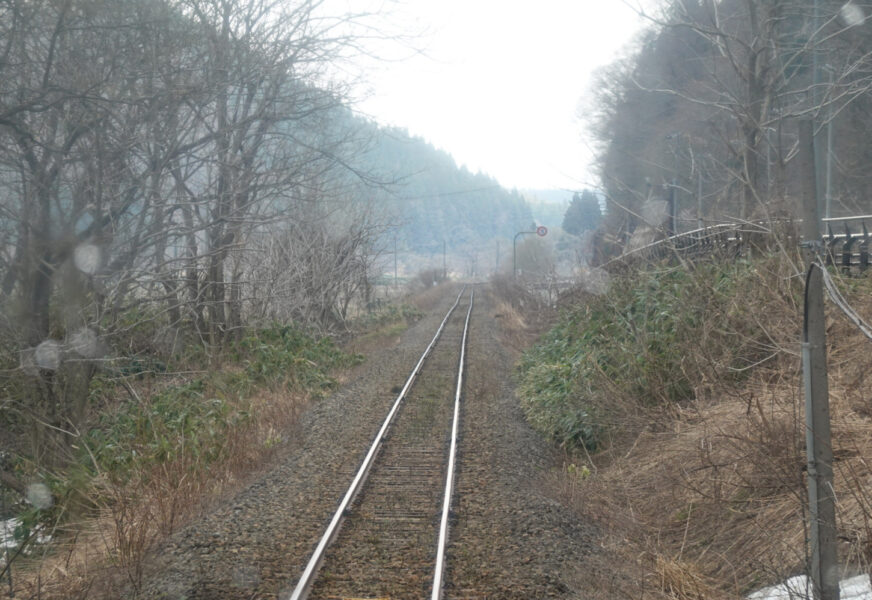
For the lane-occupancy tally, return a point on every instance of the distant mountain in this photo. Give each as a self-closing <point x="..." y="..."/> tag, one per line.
<point x="548" y="206"/>
<point x="432" y="200"/>
<point x="548" y="196"/>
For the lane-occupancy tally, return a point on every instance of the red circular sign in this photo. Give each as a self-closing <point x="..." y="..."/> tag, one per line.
<point x="541" y="231"/>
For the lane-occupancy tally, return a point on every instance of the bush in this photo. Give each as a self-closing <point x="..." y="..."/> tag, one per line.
<point x="192" y="419"/>
<point x="651" y="340"/>
<point x="284" y="355"/>
<point x="179" y="420"/>
<point x="431" y="277"/>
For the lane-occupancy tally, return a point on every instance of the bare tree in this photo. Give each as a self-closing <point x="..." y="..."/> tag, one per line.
<point x="147" y="148"/>
<point x="707" y="107"/>
<point x="71" y="113"/>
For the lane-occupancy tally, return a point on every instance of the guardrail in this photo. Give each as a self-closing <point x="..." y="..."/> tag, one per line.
<point x="723" y="239"/>
<point x="849" y="249"/>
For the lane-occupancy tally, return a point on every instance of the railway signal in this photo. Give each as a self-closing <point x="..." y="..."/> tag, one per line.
<point x="541" y="231"/>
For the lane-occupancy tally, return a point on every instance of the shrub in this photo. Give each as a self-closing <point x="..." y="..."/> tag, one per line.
<point x="284" y="355"/>
<point x="651" y="340"/>
<point x="189" y="421"/>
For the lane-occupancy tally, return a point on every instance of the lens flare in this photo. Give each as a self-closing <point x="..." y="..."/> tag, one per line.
<point x="84" y="343"/>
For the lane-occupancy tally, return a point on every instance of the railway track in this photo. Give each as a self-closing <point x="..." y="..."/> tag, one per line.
<point x="388" y="535"/>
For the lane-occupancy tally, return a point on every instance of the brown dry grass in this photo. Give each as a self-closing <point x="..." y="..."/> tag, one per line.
<point x="109" y="553"/>
<point x="707" y="500"/>
<point x="426" y="299"/>
<point x="513" y="327"/>
<point x="521" y="316"/>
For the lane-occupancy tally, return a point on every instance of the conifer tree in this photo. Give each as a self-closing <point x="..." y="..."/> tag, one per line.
<point x="583" y="213"/>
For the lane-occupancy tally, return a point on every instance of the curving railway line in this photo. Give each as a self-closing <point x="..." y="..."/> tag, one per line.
<point x="388" y="535"/>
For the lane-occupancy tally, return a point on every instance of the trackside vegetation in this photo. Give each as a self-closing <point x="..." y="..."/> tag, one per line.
<point x="193" y="418"/>
<point x="677" y="394"/>
<point x="163" y="436"/>
<point x="651" y="340"/>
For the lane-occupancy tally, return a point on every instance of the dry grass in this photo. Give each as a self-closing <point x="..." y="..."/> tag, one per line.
<point x="521" y="315"/>
<point x="513" y="326"/>
<point x="426" y="299"/>
<point x="707" y="500"/>
<point x="108" y="553"/>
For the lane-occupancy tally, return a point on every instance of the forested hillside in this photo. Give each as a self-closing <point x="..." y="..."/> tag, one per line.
<point x="675" y="379"/>
<point x="705" y="107"/>
<point x="428" y="199"/>
<point x="548" y="206"/>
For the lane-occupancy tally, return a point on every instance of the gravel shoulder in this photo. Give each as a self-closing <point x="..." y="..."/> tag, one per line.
<point x="509" y="539"/>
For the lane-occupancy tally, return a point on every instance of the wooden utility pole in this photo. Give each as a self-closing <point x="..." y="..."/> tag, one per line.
<point x="824" y="568"/>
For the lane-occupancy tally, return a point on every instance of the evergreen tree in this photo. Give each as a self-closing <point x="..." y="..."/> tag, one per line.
<point x="583" y="213"/>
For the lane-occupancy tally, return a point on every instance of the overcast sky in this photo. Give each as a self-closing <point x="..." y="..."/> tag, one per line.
<point x="500" y="83"/>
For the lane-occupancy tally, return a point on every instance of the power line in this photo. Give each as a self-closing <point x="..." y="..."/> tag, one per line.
<point x="457" y="193"/>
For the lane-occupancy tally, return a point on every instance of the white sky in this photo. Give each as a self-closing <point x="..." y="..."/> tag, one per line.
<point x="500" y="83"/>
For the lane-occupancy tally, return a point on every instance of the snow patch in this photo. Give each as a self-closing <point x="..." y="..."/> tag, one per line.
<point x="8" y="543"/>
<point x="798" y="588"/>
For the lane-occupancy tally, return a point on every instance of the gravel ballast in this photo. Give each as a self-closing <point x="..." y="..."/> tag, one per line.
<point x="508" y="538"/>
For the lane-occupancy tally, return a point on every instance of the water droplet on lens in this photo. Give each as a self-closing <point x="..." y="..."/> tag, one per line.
<point x="87" y="258"/>
<point x="654" y="212"/>
<point x="245" y="576"/>
<point x="48" y="355"/>
<point x="852" y="15"/>
<point x="595" y="281"/>
<point x="39" y="495"/>
<point x="84" y="343"/>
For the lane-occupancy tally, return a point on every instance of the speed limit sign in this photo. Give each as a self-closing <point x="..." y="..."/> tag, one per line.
<point x="541" y="231"/>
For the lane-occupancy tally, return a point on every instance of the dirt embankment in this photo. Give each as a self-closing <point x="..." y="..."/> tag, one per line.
<point x="509" y="538"/>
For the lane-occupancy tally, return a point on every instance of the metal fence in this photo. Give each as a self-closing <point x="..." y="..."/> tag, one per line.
<point x="849" y="248"/>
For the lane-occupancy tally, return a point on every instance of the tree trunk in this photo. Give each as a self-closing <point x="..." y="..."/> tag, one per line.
<point x="215" y="297"/>
<point x="234" y="303"/>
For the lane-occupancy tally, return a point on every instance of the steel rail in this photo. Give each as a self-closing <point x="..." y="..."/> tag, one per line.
<point x="452" y="455"/>
<point x="304" y="584"/>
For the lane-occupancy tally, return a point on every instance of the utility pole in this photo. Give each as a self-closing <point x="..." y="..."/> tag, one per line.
<point x="444" y="263"/>
<point x="817" y="101"/>
<point x="829" y="169"/>
<point x="672" y="200"/>
<point x="824" y="568"/>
